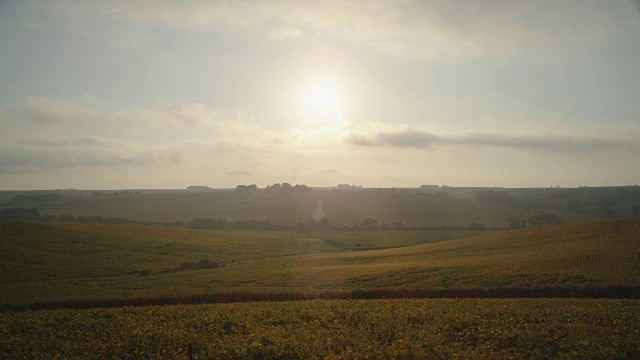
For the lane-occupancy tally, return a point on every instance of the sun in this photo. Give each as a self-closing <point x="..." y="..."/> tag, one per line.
<point x="321" y="98"/>
<point x="322" y="105"/>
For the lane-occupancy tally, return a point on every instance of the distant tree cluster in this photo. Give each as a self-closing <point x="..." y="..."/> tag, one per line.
<point x="369" y="224"/>
<point x="536" y="220"/>
<point x="116" y="193"/>
<point x="286" y="188"/>
<point x="87" y="219"/>
<point x="602" y="207"/>
<point x="349" y="187"/>
<point x="429" y="187"/>
<point x="200" y="265"/>
<point x="20" y="214"/>
<point x="476" y="226"/>
<point x="223" y="224"/>
<point x="275" y="188"/>
<point x="198" y="188"/>
<point x="315" y="225"/>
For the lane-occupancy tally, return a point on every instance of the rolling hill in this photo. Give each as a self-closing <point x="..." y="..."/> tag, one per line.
<point x="56" y="262"/>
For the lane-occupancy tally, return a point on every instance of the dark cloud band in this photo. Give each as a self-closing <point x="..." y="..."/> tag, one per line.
<point x="417" y="139"/>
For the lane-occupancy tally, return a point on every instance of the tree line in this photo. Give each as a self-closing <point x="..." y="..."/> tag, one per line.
<point x="277" y="188"/>
<point x="23" y="214"/>
<point x="368" y="224"/>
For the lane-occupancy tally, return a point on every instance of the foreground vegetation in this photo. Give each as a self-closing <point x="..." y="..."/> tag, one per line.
<point x="56" y="262"/>
<point x="375" y="329"/>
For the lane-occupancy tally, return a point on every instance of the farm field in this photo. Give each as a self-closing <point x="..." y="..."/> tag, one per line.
<point x="380" y="239"/>
<point x="353" y="329"/>
<point x="49" y="262"/>
<point x="189" y="180"/>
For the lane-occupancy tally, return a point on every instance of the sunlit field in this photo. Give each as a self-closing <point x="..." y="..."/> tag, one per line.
<point x="63" y="262"/>
<point x="376" y="329"/>
<point x="342" y="179"/>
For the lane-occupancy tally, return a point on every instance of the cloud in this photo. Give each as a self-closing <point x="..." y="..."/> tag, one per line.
<point x="68" y="142"/>
<point x="24" y="157"/>
<point x="194" y="113"/>
<point x="51" y="133"/>
<point x="240" y="173"/>
<point x="285" y="33"/>
<point x="421" y="140"/>
<point x="56" y="111"/>
<point x="48" y="110"/>
<point x="329" y="172"/>
<point x="413" y="139"/>
<point x="413" y="28"/>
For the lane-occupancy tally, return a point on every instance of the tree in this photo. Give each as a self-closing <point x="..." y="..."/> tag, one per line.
<point x="551" y="219"/>
<point x="384" y="227"/>
<point x="369" y="224"/>
<point x="544" y="219"/>
<point x="476" y="226"/>
<point x="515" y="223"/>
<point x="535" y="220"/>
<point x="251" y="187"/>
<point x="273" y="187"/>
<point x="322" y="224"/>
<point x="397" y="225"/>
<point x="20" y="214"/>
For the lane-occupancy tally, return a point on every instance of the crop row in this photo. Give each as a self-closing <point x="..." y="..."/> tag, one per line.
<point x="347" y="329"/>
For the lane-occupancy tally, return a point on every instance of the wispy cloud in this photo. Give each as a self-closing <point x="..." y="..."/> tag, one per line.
<point x="73" y="133"/>
<point x="330" y="172"/>
<point x="240" y="173"/>
<point x="414" y="28"/>
<point x="69" y="142"/>
<point x="25" y="157"/>
<point x="56" y="111"/>
<point x="286" y="33"/>
<point x="421" y="140"/>
<point x="48" y="110"/>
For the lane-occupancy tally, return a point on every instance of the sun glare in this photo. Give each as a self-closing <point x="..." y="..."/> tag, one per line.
<point x="321" y="98"/>
<point x="322" y="105"/>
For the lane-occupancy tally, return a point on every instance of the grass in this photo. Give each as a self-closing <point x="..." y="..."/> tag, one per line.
<point x="58" y="262"/>
<point x="355" y="329"/>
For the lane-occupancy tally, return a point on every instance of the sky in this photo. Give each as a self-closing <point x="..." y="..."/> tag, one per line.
<point x="378" y="93"/>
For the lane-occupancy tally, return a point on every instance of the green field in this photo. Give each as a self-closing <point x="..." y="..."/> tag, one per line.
<point x="56" y="262"/>
<point x="374" y="329"/>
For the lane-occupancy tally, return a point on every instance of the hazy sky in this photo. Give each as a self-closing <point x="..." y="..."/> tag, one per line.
<point x="166" y="94"/>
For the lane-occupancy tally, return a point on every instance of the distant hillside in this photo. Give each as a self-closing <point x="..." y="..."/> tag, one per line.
<point x="413" y="207"/>
<point x="50" y="261"/>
